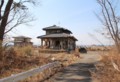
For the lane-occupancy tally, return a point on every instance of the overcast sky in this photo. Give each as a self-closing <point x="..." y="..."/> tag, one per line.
<point x="75" y="15"/>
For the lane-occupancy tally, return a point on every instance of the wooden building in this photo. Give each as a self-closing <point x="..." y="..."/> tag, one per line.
<point x="57" y="38"/>
<point x="22" y="41"/>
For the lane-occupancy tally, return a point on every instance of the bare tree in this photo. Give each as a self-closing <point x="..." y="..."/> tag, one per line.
<point x="110" y="20"/>
<point x="12" y="14"/>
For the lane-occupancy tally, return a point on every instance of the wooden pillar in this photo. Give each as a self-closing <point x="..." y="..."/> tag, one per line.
<point x="41" y="42"/>
<point x="51" y="43"/>
<point x="74" y="45"/>
<point x="61" y="43"/>
<point x="68" y="44"/>
<point x="45" y="43"/>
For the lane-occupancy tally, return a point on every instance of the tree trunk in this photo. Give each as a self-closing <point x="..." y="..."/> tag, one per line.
<point x="117" y="43"/>
<point x="4" y="20"/>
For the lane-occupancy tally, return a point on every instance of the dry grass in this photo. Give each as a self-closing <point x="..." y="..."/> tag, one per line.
<point x="106" y="71"/>
<point x="19" y="59"/>
<point x="15" y="60"/>
<point x="65" y="58"/>
<point x="45" y="76"/>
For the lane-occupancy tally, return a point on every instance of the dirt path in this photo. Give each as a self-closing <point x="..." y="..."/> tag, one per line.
<point x="78" y="72"/>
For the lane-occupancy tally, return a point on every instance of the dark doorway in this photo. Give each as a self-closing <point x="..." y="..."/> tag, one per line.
<point x="66" y="45"/>
<point x="57" y="44"/>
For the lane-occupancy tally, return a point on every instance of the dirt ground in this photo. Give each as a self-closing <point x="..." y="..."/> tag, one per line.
<point x="79" y="71"/>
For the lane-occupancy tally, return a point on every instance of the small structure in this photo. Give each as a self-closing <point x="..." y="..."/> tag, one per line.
<point x="22" y="41"/>
<point x="57" y="37"/>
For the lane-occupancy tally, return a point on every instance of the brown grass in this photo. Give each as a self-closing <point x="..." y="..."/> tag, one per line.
<point x="105" y="69"/>
<point x="45" y="76"/>
<point x="15" y="60"/>
<point x="65" y="58"/>
<point x="19" y="59"/>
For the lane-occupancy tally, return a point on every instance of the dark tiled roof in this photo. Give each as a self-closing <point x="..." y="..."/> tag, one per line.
<point x="61" y="35"/>
<point x="52" y="27"/>
<point x="22" y="37"/>
<point x="55" y="27"/>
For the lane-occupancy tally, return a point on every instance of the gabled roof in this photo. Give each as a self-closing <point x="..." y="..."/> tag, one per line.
<point x="61" y="35"/>
<point x="54" y="27"/>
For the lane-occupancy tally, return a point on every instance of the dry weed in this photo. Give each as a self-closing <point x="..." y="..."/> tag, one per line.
<point x="106" y="71"/>
<point x="19" y="59"/>
<point x="45" y="76"/>
<point x="15" y="60"/>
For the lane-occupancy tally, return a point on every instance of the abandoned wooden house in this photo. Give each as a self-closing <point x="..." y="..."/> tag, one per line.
<point x="22" y="41"/>
<point x="58" y="38"/>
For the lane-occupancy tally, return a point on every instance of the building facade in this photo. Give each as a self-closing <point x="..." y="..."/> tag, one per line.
<point x="22" y="41"/>
<point x="57" y="38"/>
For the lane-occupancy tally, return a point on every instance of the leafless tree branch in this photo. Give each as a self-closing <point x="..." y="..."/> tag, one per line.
<point x="110" y="20"/>
<point x="12" y="14"/>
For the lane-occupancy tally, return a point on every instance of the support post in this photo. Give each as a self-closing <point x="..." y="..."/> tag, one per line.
<point x="68" y="46"/>
<point x="42" y="42"/>
<point x="61" y="44"/>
